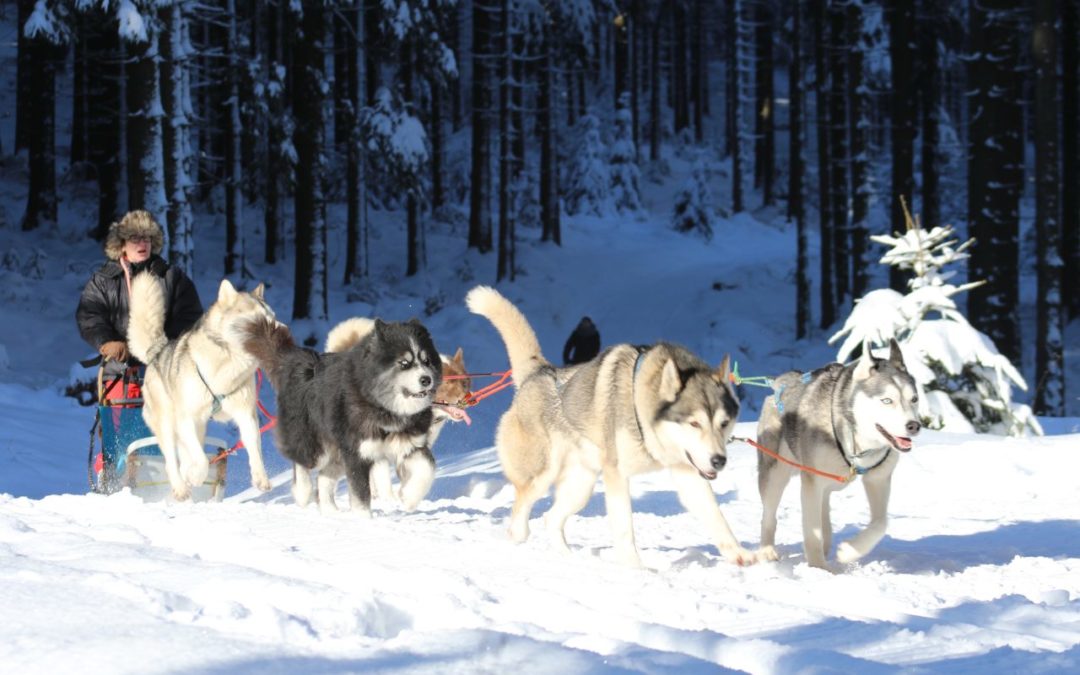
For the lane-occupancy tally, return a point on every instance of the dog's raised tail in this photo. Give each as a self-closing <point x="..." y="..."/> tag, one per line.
<point x="146" y="319"/>
<point x="268" y="341"/>
<point x="349" y="333"/>
<point x="522" y="346"/>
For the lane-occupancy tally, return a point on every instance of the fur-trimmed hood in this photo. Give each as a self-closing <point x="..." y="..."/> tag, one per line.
<point x="134" y="223"/>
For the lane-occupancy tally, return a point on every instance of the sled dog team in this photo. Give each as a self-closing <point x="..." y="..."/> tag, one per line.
<point x="377" y="397"/>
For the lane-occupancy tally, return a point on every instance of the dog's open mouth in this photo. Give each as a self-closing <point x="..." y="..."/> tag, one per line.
<point x="901" y="443"/>
<point x="423" y="393"/>
<point x="707" y="475"/>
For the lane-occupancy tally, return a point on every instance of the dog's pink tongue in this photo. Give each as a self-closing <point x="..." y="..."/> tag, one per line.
<point x="457" y="414"/>
<point x="904" y="442"/>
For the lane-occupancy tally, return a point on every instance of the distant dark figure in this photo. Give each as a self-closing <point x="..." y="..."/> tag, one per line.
<point x="583" y="344"/>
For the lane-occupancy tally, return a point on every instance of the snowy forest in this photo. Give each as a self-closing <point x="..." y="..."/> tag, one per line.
<point x="849" y="118"/>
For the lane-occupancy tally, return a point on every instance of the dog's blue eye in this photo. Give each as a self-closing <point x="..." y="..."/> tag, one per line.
<point x="887" y="401"/>
<point x="404" y="364"/>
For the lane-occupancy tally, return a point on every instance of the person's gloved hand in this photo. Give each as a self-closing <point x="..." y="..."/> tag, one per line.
<point x="116" y="350"/>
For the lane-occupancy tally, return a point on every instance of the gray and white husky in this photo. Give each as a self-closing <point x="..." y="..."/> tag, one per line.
<point x="847" y="420"/>
<point x="204" y="373"/>
<point x="630" y="410"/>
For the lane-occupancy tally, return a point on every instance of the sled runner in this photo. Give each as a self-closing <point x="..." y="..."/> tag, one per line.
<point x="124" y="453"/>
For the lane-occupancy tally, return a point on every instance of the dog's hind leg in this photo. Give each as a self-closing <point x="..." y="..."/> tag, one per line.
<point x="813" y="529"/>
<point x="620" y="516"/>
<point x="878" y="487"/>
<point x="772" y="480"/>
<point x="329" y="476"/>
<point x="697" y="497"/>
<point x="572" y="491"/>
<point x="301" y="487"/>
<point x="417" y="473"/>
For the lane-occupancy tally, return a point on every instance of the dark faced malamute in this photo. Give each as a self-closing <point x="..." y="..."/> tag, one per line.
<point x="341" y="412"/>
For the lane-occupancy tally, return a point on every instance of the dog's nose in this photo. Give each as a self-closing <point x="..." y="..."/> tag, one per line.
<point x="425" y="381"/>
<point x="718" y="462"/>
<point x="913" y="427"/>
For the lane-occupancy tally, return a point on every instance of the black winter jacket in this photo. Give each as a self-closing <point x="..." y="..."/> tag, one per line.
<point x="102" y="314"/>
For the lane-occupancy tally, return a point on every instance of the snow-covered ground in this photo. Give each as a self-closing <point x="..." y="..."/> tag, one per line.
<point x="980" y="570"/>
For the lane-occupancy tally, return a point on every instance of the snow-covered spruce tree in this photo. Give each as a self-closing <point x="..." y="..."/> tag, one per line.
<point x="694" y="211"/>
<point x="625" y="176"/>
<point x="589" y="176"/>
<point x="967" y="383"/>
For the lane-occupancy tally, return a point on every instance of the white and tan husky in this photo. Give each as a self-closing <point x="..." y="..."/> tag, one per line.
<point x="203" y="374"/>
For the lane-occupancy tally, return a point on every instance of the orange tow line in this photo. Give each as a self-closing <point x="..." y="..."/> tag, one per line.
<point x="801" y="467"/>
<point x="475" y="397"/>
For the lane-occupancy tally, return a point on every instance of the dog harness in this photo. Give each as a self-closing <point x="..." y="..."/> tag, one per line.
<point x="215" y="406"/>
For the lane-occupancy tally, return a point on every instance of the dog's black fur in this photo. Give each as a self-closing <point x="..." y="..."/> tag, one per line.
<point x="330" y="401"/>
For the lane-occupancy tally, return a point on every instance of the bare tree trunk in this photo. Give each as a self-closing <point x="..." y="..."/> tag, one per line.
<point x="1050" y="324"/>
<point x="24" y="78"/>
<point x="41" y="125"/>
<point x="275" y="166"/>
<point x="146" y="185"/>
<point x="901" y="18"/>
<point x="79" y="102"/>
<point x="930" y="106"/>
<point x="654" y="88"/>
<point x="699" y="72"/>
<point x="234" y="199"/>
<point x="796" y="209"/>
<point x="549" y="168"/>
<point x="356" y="250"/>
<point x="105" y="125"/>
<point x="413" y="261"/>
<point x="731" y="97"/>
<point x="480" y="183"/>
<point x="995" y="172"/>
<point x="765" y="129"/>
<point x="1070" y="152"/>
<point x="838" y="152"/>
<point x="309" y="80"/>
<point x="505" y="268"/>
<point x="828" y="302"/>
<point x="679" y="65"/>
<point x="859" y="119"/>
<point x="176" y="93"/>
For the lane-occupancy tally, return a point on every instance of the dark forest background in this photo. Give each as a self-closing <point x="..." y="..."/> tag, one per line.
<point x="488" y="111"/>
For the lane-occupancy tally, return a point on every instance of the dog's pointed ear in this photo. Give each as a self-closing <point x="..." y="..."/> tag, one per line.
<point x="260" y="291"/>
<point x="896" y="357"/>
<point x="723" y="372"/>
<point x="866" y="362"/>
<point x="459" y="359"/>
<point x="670" y="382"/>
<point x="226" y="292"/>
<point x="380" y="329"/>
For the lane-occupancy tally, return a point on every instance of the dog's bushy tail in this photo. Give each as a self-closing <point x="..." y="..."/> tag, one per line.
<point x="521" y="344"/>
<point x="269" y="342"/>
<point x="146" y="318"/>
<point x="348" y="334"/>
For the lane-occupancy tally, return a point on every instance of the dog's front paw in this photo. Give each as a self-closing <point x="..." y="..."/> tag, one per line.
<point x="739" y="556"/>
<point x="768" y="554"/>
<point x="262" y="482"/>
<point x="181" y="493"/>
<point x="847" y="553"/>
<point x="518" y="533"/>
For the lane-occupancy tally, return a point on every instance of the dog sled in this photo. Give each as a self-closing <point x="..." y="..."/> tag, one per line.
<point x="123" y="452"/>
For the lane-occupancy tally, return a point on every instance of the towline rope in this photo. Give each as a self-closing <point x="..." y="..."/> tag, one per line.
<point x="801" y="467"/>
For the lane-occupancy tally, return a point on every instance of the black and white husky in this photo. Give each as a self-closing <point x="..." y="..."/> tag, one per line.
<point x="851" y="421"/>
<point x="339" y="413"/>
